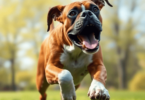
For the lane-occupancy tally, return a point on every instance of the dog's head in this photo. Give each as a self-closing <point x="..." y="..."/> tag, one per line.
<point x="81" y="21"/>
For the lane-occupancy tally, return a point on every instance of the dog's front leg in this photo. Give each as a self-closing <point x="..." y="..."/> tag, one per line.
<point x="97" y="70"/>
<point x="64" y="79"/>
<point x="66" y="84"/>
<point x="97" y="90"/>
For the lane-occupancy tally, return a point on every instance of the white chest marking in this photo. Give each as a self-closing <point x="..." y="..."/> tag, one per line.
<point x="76" y="62"/>
<point x="83" y="7"/>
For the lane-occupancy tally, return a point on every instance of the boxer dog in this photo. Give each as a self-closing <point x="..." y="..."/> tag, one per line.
<point x="72" y="51"/>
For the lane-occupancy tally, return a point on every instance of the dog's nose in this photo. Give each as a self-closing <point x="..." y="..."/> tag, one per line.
<point x="86" y="13"/>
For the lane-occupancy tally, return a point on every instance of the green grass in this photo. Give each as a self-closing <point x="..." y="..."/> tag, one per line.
<point x="81" y="95"/>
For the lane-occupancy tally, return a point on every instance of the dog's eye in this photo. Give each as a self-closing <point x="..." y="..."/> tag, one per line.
<point x="72" y="13"/>
<point x="95" y="9"/>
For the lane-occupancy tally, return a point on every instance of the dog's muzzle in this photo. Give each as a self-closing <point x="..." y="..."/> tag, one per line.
<point x="86" y="31"/>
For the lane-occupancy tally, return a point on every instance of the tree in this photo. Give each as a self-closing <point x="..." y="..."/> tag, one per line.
<point x="123" y="39"/>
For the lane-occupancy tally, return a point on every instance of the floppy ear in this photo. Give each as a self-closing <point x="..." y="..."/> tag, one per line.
<point x="54" y="13"/>
<point x="101" y="3"/>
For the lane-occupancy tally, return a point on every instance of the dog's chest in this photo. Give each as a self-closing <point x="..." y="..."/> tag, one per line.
<point x="76" y="62"/>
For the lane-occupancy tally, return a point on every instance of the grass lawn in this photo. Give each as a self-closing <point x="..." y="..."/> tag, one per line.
<point x="81" y="95"/>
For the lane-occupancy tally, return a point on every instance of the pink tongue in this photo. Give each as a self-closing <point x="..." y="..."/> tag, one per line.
<point x="90" y="42"/>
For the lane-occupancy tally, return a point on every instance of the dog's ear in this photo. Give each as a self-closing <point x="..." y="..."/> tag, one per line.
<point x="101" y="3"/>
<point x="54" y="13"/>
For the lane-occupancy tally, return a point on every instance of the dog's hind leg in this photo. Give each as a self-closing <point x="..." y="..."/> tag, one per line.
<point x="41" y="82"/>
<point x="42" y="86"/>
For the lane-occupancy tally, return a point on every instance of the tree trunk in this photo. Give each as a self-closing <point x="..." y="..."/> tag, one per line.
<point x="12" y="60"/>
<point x="122" y="66"/>
<point x="121" y="70"/>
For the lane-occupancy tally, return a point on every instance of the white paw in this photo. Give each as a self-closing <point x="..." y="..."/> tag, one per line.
<point x="68" y="95"/>
<point x="66" y="84"/>
<point x="97" y="91"/>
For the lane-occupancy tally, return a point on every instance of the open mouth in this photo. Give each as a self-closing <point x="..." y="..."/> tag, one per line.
<point x="87" y="39"/>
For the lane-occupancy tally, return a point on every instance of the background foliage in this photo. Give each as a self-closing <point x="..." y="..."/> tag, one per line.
<point x="23" y="28"/>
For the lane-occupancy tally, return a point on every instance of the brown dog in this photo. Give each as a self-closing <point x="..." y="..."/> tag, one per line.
<point x="72" y="50"/>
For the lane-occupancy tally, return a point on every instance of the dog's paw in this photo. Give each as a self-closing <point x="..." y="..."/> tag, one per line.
<point x="68" y="95"/>
<point x="97" y="91"/>
<point x="68" y="91"/>
<point x="66" y="84"/>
